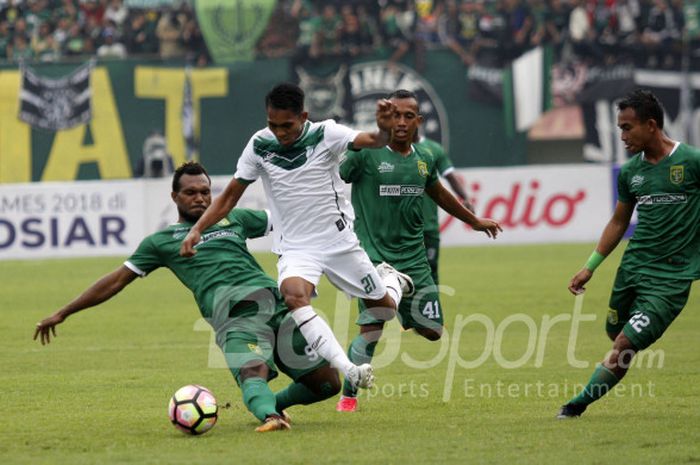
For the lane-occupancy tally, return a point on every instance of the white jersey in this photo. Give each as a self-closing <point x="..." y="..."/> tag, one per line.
<point x="303" y="187"/>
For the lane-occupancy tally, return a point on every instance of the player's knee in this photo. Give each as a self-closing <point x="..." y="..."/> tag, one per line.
<point x="430" y="334"/>
<point x="255" y="369"/>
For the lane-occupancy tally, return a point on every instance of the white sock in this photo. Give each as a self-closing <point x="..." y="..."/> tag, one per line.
<point x="317" y="333"/>
<point x="393" y="288"/>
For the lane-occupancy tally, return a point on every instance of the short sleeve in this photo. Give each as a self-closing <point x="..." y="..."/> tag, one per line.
<point x="433" y="176"/>
<point x="444" y="164"/>
<point x="145" y="259"/>
<point x="255" y="223"/>
<point x="623" y="191"/>
<point x="338" y="137"/>
<point x="351" y="167"/>
<point x="248" y="168"/>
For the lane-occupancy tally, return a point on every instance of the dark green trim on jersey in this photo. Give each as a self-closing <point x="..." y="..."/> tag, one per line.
<point x="292" y="157"/>
<point x="245" y="181"/>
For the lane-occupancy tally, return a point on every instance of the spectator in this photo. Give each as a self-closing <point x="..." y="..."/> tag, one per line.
<point x="111" y="48"/>
<point x="5" y="39"/>
<point x="75" y="44"/>
<point x="557" y="25"/>
<point x="169" y="31"/>
<point x="328" y="32"/>
<point x="117" y="13"/>
<point x="661" y="36"/>
<point x="155" y="161"/>
<point x="20" y="49"/>
<point x="394" y="36"/>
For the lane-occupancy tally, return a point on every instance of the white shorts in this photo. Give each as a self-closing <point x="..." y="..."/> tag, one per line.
<point x="346" y="266"/>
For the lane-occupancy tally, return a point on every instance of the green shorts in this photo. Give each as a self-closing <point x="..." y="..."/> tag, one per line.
<point x="422" y="310"/>
<point x="432" y="253"/>
<point x="266" y="332"/>
<point x="643" y="306"/>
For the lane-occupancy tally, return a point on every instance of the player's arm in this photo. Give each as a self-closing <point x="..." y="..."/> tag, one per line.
<point x="612" y="235"/>
<point x="104" y="289"/>
<point x="451" y="205"/>
<point x="218" y="209"/>
<point x="380" y="138"/>
<point x="458" y="189"/>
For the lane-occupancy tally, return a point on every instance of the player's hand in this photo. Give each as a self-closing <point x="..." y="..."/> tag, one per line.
<point x="385" y="115"/>
<point x="490" y="227"/>
<point x="47" y="326"/>
<point x="187" y="248"/>
<point x="576" y="286"/>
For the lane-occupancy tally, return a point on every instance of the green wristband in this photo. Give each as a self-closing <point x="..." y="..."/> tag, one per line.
<point x="594" y="260"/>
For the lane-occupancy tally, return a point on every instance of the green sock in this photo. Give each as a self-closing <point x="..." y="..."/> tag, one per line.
<point x="600" y="383"/>
<point x="298" y="394"/>
<point x="360" y="352"/>
<point x="258" y="398"/>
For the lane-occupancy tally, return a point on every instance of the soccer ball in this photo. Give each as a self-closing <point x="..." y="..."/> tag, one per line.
<point x="193" y="409"/>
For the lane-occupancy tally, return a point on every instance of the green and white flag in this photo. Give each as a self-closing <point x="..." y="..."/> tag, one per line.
<point x="231" y="28"/>
<point x="531" y="93"/>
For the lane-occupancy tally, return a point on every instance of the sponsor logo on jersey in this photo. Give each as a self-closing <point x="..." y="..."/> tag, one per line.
<point x="677" y="174"/>
<point x="385" y="167"/>
<point x="637" y="180"/>
<point x="180" y="232"/>
<point x="397" y="190"/>
<point x="422" y="168"/>
<point x="217" y="235"/>
<point x="662" y="199"/>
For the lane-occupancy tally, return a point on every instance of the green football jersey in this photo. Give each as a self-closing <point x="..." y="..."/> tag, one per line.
<point x="666" y="241"/>
<point x="444" y="166"/>
<point x="387" y="195"/>
<point x="222" y="272"/>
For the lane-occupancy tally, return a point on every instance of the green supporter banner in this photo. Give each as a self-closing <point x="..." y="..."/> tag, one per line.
<point x="132" y="98"/>
<point x="231" y="28"/>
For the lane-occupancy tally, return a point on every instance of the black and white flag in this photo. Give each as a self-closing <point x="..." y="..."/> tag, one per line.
<point x="56" y="104"/>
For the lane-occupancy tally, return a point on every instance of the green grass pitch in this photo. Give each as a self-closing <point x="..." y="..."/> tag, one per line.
<point x="487" y="394"/>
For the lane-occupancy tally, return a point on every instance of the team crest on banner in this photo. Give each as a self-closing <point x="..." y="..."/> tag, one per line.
<point x="231" y="28"/>
<point x="677" y="174"/>
<point x="352" y="93"/>
<point x="325" y="96"/>
<point x="422" y="168"/>
<point x="55" y="104"/>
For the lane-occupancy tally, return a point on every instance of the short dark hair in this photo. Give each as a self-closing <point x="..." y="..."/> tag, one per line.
<point x="645" y="105"/>
<point x="403" y="93"/>
<point x="190" y="167"/>
<point x="286" y="96"/>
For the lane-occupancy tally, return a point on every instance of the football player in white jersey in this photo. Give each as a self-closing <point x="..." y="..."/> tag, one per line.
<point x="298" y="162"/>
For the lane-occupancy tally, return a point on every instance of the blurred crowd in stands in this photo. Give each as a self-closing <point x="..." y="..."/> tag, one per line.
<point x="53" y="30"/>
<point x="649" y="33"/>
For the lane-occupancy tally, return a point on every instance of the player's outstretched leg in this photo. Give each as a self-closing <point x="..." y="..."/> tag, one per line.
<point x="313" y="387"/>
<point x="297" y="296"/>
<point x="605" y="377"/>
<point x="361" y="351"/>
<point x="602" y="380"/>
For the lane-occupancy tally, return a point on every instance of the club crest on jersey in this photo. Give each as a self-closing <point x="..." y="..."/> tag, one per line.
<point x="385" y="167"/>
<point x="422" y="168"/>
<point x="255" y="348"/>
<point x="677" y="174"/>
<point x="612" y="317"/>
<point x="223" y="222"/>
